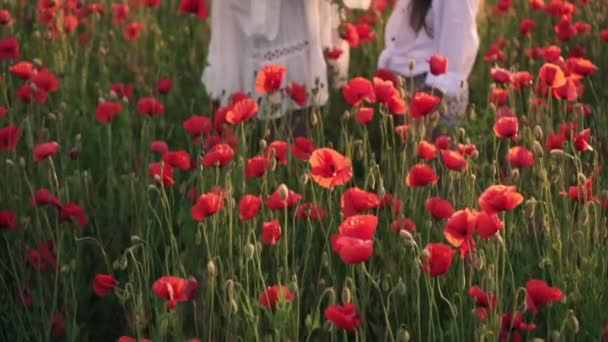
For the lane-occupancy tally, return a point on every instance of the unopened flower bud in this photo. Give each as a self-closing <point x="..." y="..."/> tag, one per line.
<point x="249" y="251"/>
<point x="582" y="179"/>
<point x="283" y="192"/>
<point x="211" y="270"/>
<point x="346" y="295"/>
<point x="263" y="144"/>
<point x="538" y="149"/>
<point x="538" y="133"/>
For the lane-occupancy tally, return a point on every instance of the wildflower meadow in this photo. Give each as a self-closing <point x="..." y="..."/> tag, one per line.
<point x="135" y="208"/>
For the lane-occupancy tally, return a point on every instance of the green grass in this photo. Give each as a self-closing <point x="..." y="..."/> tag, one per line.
<point x="138" y="231"/>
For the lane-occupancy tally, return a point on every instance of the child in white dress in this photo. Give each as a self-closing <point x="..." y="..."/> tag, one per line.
<point x="418" y="29"/>
<point x="248" y="34"/>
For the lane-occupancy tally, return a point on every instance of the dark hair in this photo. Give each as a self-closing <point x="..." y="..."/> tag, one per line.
<point x="418" y="12"/>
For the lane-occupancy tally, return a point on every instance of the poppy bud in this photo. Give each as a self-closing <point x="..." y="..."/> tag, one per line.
<point x="346" y="295"/>
<point x="52" y="117"/>
<point x="555" y="336"/>
<point x="403" y="335"/>
<point x="198" y="237"/>
<point x="283" y="191"/>
<point x="346" y="115"/>
<point x="400" y="288"/>
<point x="123" y="263"/>
<point x="538" y="133"/>
<point x="331" y="295"/>
<point x="65" y="269"/>
<point x="9" y="162"/>
<point x="304" y="178"/>
<point x="314" y="118"/>
<point x="475" y="155"/>
<point x="573" y="322"/>
<point x="538" y="149"/>
<point x="462" y="132"/>
<point x="412" y="64"/>
<point x="115" y="265"/>
<point x="515" y="174"/>
<point x="581" y="178"/>
<point x="211" y="270"/>
<point x="249" y="251"/>
<point x="135" y="239"/>
<point x="406" y="235"/>
<point x="263" y="143"/>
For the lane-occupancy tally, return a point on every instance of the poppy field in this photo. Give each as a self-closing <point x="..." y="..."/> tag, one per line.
<point x="133" y="207"/>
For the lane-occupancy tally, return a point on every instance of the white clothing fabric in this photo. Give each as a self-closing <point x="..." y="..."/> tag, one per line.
<point x="247" y="34"/>
<point x="451" y="31"/>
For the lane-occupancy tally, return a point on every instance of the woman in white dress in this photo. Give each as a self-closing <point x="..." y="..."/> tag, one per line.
<point x="248" y="34"/>
<point x="418" y="29"/>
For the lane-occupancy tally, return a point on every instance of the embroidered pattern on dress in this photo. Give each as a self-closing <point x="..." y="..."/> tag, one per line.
<point x="270" y="55"/>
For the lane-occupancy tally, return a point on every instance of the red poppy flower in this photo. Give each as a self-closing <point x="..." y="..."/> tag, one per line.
<point x="403" y="224"/>
<point x="27" y="93"/>
<point x="70" y="23"/>
<point x="386" y="75"/>
<point x="488" y="224"/>
<point x="354" y="243"/>
<point x="538" y="294"/>
<point x="132" y="339"/>
<point x="133" y="30"/>
<point x="274" y="295"/>
<point x="421" y="175"/>
<point x="520" y="157"/>
<point x="572" y="90"/>
<point x="582" y="192"/>
<point x="604" y="35"/>
<point x="581" y="141"/>
<point x="120" y="13"/>
<point x="443" y="142"/>
<point x="349" y="33"/>
<point x="198" y="125"/>
<point x="9" y="138"/>
<point x="280" y="149"/>
<point x="359" y="89"/>
<point x="122" y="90"/>
<point x="512" y="325"/>
<point x="555" y="141"/>
<point x="44" y="257"/>
<point x="8" y="220"/>
<point x="506" y="127"/>
<point x="311" y="211"/>
<point x="427" y="150"/>
<point x="218" y="156"/>
<point x="437" y="259"/>
<point x="521" y="79"/>
<point x="269" y="79"/>
<point x="467" y="150"/>
<point x="498" y="96"/>
<point x="552" y="75"/>
<point x="249" y="206"/>
<point x="565" y="30"/>
<point x="150" y="106"/>
<point x="401" y="131"/>
<point x="460" y="227"/>
<point x="334" y="53"/>
<point x="23" y="70"/>
<point x="438" y="64"/>
<point x="343" y="317"/>
<point x="175" y="290"/>
<point x="9" y="49"/>
<point x="364" y="115"/>
<point x="5" y="18"/>
<point x="581" y="66"/>
<point x="500" y="75"/>
<point x="103" y="284"/>
<point x="439" y="208"/>
<point x="302" y="148"/>
<point x="164" y="85"/>
<point x="526" y="27"/>
<point x="161" y="173"/>
<point x="392" y="203"/>
<point x="355" y="200"/>
<point x="159" y="147"/>
<point x="283" y="198"/>
<point x="498" y="198"/>
<point x="329" y="168"/>
<point x="485" y="302"/>
<point x="453" y="160"/>
<point x="44" y="151"/>
<point x="271" y="232"/>
<point x="387" y="94"/>
<point x="197" y="7"/>
<point x="57" y="326"/>
<point x="178" y="159"/>
<point x="256" y="167"/>
<point x="297" y="92"/>
<point x="106" y="111"/>
<point x="423" y="104"/>
<point x="207" y="205"/>
<point x="73" y="210"/>
<point x="44" y="196"/>
<point x="241" y="111"/>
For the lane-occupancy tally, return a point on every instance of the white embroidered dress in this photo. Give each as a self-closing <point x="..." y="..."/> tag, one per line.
<point x="248" y="34"/>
